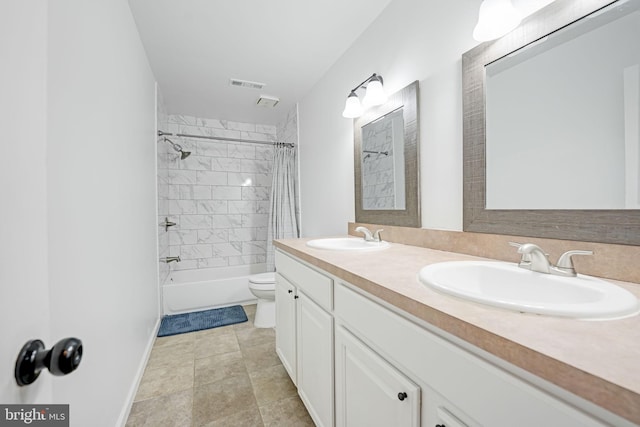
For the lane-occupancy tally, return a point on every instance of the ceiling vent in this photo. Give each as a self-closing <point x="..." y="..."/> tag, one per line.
<point x="246" y="83"/>
<point x="267" y="101"/>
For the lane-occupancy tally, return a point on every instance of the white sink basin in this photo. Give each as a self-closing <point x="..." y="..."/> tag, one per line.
<point x="508" y="286"/>
<point x="347" y="244"/>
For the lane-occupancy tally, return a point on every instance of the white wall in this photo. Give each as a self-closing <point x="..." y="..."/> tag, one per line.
<point x="101" y="182"/>
<point x="410" y="40"/>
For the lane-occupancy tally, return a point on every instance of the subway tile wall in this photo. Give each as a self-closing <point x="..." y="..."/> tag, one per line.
<point x="162" y="150"/>
<point x="219" y="195"/>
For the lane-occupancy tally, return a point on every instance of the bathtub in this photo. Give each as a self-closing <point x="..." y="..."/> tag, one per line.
<point x="201" y="289"/>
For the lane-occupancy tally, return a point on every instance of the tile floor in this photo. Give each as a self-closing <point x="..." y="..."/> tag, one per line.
<point x="228" y="376"/>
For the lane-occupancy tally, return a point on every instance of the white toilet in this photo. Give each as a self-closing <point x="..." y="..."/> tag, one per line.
<point x="263" y="286"/>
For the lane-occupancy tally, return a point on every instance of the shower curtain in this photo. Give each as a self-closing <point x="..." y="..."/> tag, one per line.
<point x="283" y="223"/>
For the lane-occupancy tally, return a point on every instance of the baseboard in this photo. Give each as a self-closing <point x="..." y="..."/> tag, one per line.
<point x="126" y="410"/>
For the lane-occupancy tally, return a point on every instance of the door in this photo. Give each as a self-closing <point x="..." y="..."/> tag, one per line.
<point x="24" y="298"/>
<point x="315" y="360"/>
<point x="369" y="391"/>
<point x="286" y="325"/>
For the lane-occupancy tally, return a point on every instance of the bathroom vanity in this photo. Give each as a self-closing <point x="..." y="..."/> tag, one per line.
<point x="367" y="344"/>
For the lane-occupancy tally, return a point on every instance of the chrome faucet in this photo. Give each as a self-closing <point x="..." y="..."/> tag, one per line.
<point x="170" y="259"/>
<point x="368" y="237"/>
<point x="535" y="259"/>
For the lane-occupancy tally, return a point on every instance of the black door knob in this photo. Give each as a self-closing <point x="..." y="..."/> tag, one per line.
<point x="62" y="359"/>
<point x="402" y="395"/>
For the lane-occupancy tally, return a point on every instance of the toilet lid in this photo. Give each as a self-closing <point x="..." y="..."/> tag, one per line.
<point x="263" y="278"/>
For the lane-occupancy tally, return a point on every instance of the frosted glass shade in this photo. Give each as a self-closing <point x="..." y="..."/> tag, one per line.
<point x="375" y="93"/>
<point x="352" y="107"/>
<point x="496" y="18"/>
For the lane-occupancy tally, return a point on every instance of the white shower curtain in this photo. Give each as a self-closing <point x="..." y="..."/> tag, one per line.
<point x="283" y="223"/>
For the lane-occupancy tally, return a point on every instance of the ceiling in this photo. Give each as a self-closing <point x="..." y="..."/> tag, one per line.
<point x="195" y="47"/>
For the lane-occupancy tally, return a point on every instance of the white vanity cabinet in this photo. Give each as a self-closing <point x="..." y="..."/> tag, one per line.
<point x="304" y="334"/>
<point x="458" y="387"/>
<point x="286" y="296"/>
<point x="359" y="361"/>
<point x="369" y="391"/>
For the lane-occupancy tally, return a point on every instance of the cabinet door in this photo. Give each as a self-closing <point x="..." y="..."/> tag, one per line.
<point x="315" y="360"/>
<point x="369" y="391"/>
<point x="286" y="325"/>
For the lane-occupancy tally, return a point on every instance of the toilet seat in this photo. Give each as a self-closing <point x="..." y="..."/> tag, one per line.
<point x="263" y="281"/>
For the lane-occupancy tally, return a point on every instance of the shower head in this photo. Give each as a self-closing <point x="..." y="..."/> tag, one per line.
<point x="178" y="148"/>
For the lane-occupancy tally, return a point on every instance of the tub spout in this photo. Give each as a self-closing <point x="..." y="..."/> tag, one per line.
<point x="170" y="259"/>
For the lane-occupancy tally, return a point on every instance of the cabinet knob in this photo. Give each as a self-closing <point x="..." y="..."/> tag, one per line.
<point x="402" y="395"/>
<point x="440" y="425"/>
<point x="296" y="297"/>
<point x="290" y="291"/>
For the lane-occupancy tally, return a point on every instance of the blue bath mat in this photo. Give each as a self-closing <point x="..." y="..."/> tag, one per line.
<point x="199" y="320"/>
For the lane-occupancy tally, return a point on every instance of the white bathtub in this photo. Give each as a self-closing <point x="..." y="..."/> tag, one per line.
<point x="201" y="289"/>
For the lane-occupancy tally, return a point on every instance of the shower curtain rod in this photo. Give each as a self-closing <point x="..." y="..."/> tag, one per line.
<point x="220" y="138"/>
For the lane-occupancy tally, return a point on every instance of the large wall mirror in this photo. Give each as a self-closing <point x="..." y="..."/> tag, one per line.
<point x="552" y="126"/>
<point x="386" y="161"/>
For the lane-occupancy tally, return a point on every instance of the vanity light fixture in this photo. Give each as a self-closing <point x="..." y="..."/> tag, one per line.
<point x="495" y="19"/>
<point x="375" y="95"/>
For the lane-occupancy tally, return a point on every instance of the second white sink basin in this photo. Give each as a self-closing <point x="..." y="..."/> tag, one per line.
<point x="347" y="244"/>
<point x="506" y="285"/>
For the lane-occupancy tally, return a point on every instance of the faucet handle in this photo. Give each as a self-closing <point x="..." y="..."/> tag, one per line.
<point x="376" y="235"/>
<point x="526" y="258"/>
<point x="566" y="263"/>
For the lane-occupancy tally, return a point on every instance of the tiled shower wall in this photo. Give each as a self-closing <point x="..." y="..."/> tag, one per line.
<point x="219" y="195"/>
<point x="163" y="208"/>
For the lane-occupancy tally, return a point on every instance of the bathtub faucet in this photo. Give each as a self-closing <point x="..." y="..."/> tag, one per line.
<point x="170" y="259"/>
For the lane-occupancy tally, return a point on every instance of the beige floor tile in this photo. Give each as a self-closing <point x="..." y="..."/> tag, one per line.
<point x="219" y="367"/>
<point x="272" y="384"/>
<point x="216" y="377"/>
<point x="250" y="309"/>
<point x="250" y="337"/>
<point x="172" y="356"/>
<point x="288" y="412"/>
<point x="213" y="332"/>
<point x="210" y="345"/>
<point x="247" y="418"/>
<point x="162" y="381"/>
<point x="260" y="356"/>
<point x="181" y="339"/>
<point x="173" y="410"/>
<point x="214" y="401"/>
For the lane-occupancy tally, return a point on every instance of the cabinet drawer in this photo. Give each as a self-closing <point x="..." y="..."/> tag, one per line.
<point x="315" y="285"/>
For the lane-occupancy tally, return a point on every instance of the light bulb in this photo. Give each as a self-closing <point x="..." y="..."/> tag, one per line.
<point x="495" y="19"/>
<point x="352" y="108"/>
<point x="375" y="93"/>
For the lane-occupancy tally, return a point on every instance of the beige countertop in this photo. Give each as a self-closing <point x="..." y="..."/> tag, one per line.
<point x="596" y="360"/>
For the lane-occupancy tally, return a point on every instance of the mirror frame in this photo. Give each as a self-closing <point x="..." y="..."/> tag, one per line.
<point x="407" y="98"/>
<point x="607" y="226"/>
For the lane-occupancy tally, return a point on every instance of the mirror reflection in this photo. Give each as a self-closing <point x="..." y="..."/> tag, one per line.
<point x="383" y="184"/>
<point x="387" y="188"/>
<point x="563" y="118"/>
